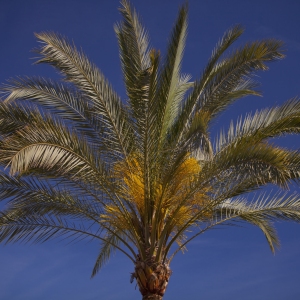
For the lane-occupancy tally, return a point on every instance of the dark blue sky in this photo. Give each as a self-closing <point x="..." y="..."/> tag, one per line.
<point x="230" y="263"/>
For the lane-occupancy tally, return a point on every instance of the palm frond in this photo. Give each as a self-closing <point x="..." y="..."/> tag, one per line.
<point x="188" y="108"/>
<point x="62" y="100"/>
<point x="231" y="74"/>
<point x="49" y="145"/>
<point x="15" y="117"/>
<point x="34" y="196"/>
<point x="262" y="212"/>
<point x="34" y="228"/>
<point x="134" y="54"/>
<point x="254" y="167"/>
<point x="140" y="67"/>
<point x="66" y="157"/>
<point x="262" y="125"/>
<point x="105" y="252"/>
<point x="257" y="159"/>
<point x="77" y="69"/>
<point x="229" y="80"/>
<point x="170" y="75"/>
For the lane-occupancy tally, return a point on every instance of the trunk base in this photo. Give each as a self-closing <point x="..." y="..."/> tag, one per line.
<point x="152" y="297"/>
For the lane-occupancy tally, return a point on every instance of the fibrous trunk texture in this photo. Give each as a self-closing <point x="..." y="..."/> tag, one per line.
<point x="152" y="279"/>
<point x="152" y="297"/>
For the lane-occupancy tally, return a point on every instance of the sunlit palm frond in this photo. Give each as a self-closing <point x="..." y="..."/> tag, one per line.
<point x="134" y="54"/>
<point x="140" y="68"/>
<point x="51" y="145"/>
<point x="229" y="80"/>
<point x="170" y="75"/>
<point x="108" y="107"/>
<point x="62" y="100"/>
<point x="189" y="106"/>
<point x="230" y="74"/>
<point x="256" y="159"/>
<point x="226" y="176"/>
<point x="262" y="125"/>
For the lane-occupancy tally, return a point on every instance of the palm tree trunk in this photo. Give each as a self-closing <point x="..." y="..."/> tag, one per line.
<point x="152" y="297"/>
<point x="152" y="279"/>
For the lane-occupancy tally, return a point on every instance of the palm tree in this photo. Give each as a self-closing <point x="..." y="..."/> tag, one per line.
<point x="143" y="175"/>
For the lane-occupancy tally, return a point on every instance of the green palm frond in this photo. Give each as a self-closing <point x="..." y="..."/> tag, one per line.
<point x="262" y="212"/>
<point x="37" y="229"/>
<point x="134" y="54"/>
<point x="14" y="117"/>
<point x="228" y="81"/>
<point x="189" y="106"/>
<point x="62" y="100"/>
<point x="267" y="123"/>
<point x="106" y="250"/>
<point x="34" y="196"/>
<point x="256" y="159"/>
<point x="33" y="228"/>
<point x="53" y="147"/>
<point x="46" y="92"/>
<point x="170" y="75"/>
<point x="37" y="200"/>
<point x="78" y="70"/>
<point x="50" y="144"/>
<point x="249" y="168"/>
<point x="230" y="74"/>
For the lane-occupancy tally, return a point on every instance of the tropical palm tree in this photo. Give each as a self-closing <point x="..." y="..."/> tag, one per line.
<point x="143" y="175"/>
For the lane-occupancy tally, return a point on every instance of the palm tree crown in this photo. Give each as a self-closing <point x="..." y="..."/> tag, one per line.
<point x="142" y="175"/>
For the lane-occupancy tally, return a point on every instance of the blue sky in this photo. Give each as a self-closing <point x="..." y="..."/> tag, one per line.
<point x="230" y="263"/>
